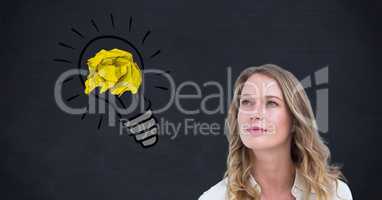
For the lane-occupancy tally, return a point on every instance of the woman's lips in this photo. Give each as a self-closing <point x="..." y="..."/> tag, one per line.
<point x="256" y="131"/>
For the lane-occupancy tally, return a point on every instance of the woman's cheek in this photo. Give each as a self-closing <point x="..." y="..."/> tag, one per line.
<point x="280" y="120"/>
<point x="242" y="118"/>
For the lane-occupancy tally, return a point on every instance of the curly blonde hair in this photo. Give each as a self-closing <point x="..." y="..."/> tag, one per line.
<point x="309" y="153"/>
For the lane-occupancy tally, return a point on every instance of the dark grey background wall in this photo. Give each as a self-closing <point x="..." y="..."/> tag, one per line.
<point x="48" y="154"/>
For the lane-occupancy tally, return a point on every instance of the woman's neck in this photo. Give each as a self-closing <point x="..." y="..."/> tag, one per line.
<point x="274" y="170"/>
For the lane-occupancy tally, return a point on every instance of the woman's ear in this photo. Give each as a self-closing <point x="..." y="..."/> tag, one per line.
<point x="293" y="126"/>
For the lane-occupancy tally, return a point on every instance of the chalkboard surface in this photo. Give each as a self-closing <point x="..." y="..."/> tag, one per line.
<point x="193" y="48"/>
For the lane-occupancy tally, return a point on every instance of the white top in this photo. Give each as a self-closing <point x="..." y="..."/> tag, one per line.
<point x="218" y="191"/>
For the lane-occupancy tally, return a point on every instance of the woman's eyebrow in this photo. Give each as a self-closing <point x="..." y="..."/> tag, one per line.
<point x="272" y="96"/>
<point x="247" y="94"/>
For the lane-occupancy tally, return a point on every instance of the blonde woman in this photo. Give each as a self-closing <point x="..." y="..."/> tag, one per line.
<point x="275" y="151"/>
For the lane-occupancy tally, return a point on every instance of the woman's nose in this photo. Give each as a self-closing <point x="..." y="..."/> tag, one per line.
<point x="258" y="112"/>
<point x="256" y="116"/>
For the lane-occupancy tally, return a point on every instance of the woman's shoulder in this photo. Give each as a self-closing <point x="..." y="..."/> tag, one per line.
<point x="218" y="191"/>
<point x="343" y="191"/>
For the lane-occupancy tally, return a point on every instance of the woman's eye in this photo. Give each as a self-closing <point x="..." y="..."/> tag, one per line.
<point x="245" y="102"/>
<point x="272" y="104"/>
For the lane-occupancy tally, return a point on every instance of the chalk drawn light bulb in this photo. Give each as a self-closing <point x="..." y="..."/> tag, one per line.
<point x="115" y="65"/>
<point x="116" y="71"/>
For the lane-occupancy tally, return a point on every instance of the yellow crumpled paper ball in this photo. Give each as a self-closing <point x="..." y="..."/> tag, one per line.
<point x="113" y="70"/>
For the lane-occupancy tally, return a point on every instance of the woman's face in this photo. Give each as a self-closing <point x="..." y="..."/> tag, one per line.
<point x="263" y="117"/>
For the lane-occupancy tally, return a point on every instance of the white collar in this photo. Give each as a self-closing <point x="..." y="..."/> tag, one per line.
<point x="298" y="185"/>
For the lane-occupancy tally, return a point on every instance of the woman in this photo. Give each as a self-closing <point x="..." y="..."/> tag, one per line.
<point x="275" y="151"/>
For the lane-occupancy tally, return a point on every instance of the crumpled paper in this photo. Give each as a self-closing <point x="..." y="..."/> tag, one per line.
<point x="113" y="70"/>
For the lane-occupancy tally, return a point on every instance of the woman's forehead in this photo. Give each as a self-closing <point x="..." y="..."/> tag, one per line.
<point x="259" y="84"/>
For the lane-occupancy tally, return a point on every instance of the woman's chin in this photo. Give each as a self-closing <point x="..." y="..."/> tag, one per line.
<point x="258" y="142"/>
